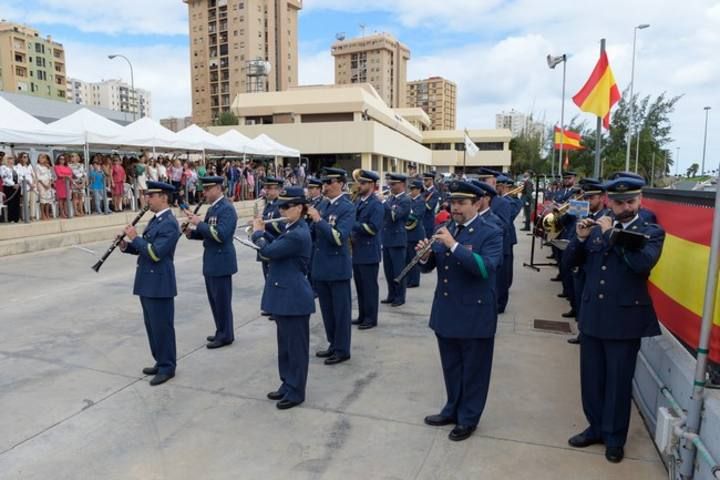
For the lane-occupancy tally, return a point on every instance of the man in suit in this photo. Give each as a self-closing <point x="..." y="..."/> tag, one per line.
<point x="432" y="198"/>
<point x="332" y="265"/>
<point x="219" y="259"/>
<point x="415" y="230"/>
<point x="617" y="312"/>
<point x="394" y="237"/>
<point x="464" y="310"/>
<point x="155" y="279"/>
<point x="528" y="200"/>
<point x="366" y="249"/>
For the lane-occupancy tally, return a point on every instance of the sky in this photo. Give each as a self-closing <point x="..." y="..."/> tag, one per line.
<point x="493" y="49"/>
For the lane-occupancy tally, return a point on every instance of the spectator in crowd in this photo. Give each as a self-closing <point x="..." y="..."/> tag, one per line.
<point x="97" y="185"/>
<point x="141" y="179"/>
<point x="233" y="179"/>
<point x="162" y="174"/>
<point x="301" y="175"/>
<point x="43" y="177"/>
<point x="26" y="175"/>
<point x="63" y="177"/>
<point x="152" y="170"/>
<point x="118" y="178"/>
<point x="175" y="175"/>
<point x="11" y="188"/>
<point x="78" y="183"/>
<point x="443" y="214"/>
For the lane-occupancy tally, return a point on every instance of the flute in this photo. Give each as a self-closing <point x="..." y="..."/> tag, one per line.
<point x="418" y="256"/>
<point x="197" y="209"/>
<point x="118" y="239"/>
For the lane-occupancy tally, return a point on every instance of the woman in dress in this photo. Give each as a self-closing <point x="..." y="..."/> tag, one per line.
<point x="63" y="176"/>
<point x="79" y="180"/>
<point x="288" y="296"/>
<point x="118" y="184"/>
<point x="152" y="170"/>
<point x="43" y="175"/>
<point x="141" y="175"/>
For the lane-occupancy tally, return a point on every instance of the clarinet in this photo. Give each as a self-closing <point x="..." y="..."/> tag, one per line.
<point x="197" y="209"/>
<point x="117" y="240"/>
<point x="418" y="256"/>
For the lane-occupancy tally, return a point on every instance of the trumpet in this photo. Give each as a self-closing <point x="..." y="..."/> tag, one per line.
<point x="514" y="191"/>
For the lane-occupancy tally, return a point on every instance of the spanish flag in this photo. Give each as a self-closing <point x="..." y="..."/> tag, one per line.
<point x="600" y="92"/>
<point x="570" y="140"/>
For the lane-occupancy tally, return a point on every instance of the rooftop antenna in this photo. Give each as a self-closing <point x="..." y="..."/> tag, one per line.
<point x="362" y="29"/>
<point x="340" y="36"/>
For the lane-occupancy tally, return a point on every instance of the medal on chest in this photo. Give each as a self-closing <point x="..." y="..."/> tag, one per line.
<point x="332" y="219"/>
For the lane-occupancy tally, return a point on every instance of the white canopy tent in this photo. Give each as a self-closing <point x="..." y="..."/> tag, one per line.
<point x="235" y="140"/>
<point x="264" y="145"/>
<point x="206" y="140"/>
<point x="96" y="129"/>
<point x="21" y="128"/>
<point x="148" y="133"/>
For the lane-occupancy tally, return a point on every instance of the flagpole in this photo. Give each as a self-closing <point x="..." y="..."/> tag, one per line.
<point x="562" y="119"/>
<point x="598" y="129"/>
<point x="465" y="156"/>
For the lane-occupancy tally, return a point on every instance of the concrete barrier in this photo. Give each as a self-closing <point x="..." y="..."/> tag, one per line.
<point x="16" y="239"/>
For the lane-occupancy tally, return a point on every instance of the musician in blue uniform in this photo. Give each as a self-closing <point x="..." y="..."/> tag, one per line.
<point x="219" y="259"/>
<point x="616" y="311"/>
<point x="432" y="198"/>
<point x="594" y="194"/>
<point x="645" y="213"/>
<point x="272" y="187"/>
<point x="155" y="279"/>
<point x="505" y="185"/>
<point x="415" y="230"/>
<point x="567" y="222"/>
<point x="332" y="265"/>
<point x="394" y="237"/>
<point x="317" y="201"/>
<point x="366" y="249"/>
<point x="464" y="310"/>
<point x="288" y="295"/>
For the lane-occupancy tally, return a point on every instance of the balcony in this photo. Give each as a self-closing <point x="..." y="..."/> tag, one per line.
<point x="21" y="72"/>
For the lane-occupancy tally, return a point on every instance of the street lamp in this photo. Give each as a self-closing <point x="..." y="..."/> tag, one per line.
<point x="677" y="162"/>
<point x="707" y="112"/>
<point x="632" y="88"/>
<point x="132" y="81"/>
<point x="552" y="63"/>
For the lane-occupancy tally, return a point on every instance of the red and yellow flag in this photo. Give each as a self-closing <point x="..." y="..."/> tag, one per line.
<point x="600" y="93"/>
<point x="570" y="140"/>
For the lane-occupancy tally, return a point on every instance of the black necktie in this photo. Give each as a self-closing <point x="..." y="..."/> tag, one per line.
<point x="458" y="230"/>
<point x="619" y="226"/>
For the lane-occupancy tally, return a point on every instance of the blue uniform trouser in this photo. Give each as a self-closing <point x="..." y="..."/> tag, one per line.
<point x="578" y="286"/>
<point x="466" y="364"/>
<point x="509" y="266"/>
<point x="501" y="284"/>
<point x="293" y="340"/>
<point x="606" y="372"/>
<point x="219" y="292"/>
<point x="429" y="226"/>
<point x="368" y="292"/>
<point x="265" y="269"/>
<point x="159" y="315"/>
<point x="413" y="278"/>
<point x="393" y="263"/>
<point x="336" y="307"/>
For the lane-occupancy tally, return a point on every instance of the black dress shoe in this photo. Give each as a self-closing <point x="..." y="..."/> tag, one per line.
<point x="614" y="454"/>
<point x="550" y="257"/>
<point x="285" y="404"/>
<point x="556" y="279"/>
<point x="525" y="229"/>
<point x="335" y="360"/>
<point x="562" y="295"/>
<point x="357" y="321"/>
<point x="210" y="338"/>
<point x="324" y="353"/>
<point x="217" y="344"/>
<point x="150" y="371"/>
<point x="413" y="286"/>
<point x="461" y="432"/>
<point x="582" y="440"/>
<point x="439" y="420"/>
<point x="387" y="301"/>
<point x="264" y="314"/>
<point x="366" y="326"/>
<point x="574" y="340"/>
<point x="570" y="314"/>
<point x="161" y="378"/>
<point x="397" y="304"/>
<point x="275" y="395"/>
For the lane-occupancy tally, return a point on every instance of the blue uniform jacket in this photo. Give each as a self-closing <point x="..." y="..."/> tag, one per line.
<point x="366" y="246"/>
<point x="500" y="206"/>
<point x="155" y="274"/>
<point x="331" y="256"/>
<point x="272" y="230"/>
<point x="397" y="211"/>
<point x="217" y="232"/>
<point x="287" y="290"/>
<point x="465" y="301"/>
<point x="432" y="198"/>
<point x="616" y="304"/>
<point x="318" y="203"/>
<point x="417" y="212"/>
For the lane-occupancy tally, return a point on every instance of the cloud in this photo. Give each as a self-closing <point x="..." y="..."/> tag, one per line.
<point x="316" y="68"/>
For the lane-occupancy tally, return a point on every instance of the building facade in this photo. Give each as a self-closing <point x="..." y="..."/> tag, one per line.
<point x="176" y="124"/>
<point x="31" y="64"/>
<point x="111" y="94"/>
<point x="238" y="46"/>
<point x="438" y="97"/>
<point x="519" y="124"/>
<point x="379" y="60"/>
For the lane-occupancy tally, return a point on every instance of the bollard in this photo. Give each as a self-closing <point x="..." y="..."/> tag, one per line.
<point x="25" y="205"/>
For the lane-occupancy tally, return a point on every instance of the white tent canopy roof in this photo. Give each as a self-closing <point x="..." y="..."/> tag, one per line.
<point x="18" y="127"/>
<point x="96" y="128"/>
<point x="235" y="141"/>
<point x="205" y="140"/>
<point x="148" y="133"/>
<point x="264" y="145"/>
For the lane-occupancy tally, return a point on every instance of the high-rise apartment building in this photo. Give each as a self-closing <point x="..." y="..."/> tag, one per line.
<point x="176" y="123"/>
<point x="112" y="94"/>
<point x="379" y="60"/>
<point x="438" y="97"/>
<point x="237" y="46"/>
<point x="519" y="124"/>
<point x="30" y="63"/>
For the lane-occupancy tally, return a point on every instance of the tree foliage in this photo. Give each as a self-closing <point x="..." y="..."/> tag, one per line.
<point x="227" y="118"/>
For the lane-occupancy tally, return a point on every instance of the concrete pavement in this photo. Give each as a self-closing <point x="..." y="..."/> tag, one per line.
<point x="74" y="405"/>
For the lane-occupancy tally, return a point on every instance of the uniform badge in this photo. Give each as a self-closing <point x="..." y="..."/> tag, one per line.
<point x="469" y="247"/>
<point x="597" y="240"/>
<point x="212" y="221"/>
<point x="331" y="219"/>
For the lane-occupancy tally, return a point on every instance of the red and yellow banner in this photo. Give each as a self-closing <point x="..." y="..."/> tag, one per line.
<point x="677" y="283"/>
<point x="569" y="140"/>
<point x="600" y="92"/>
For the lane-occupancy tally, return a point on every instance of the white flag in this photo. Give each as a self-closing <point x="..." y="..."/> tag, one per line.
<point x="470" y="146"/>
